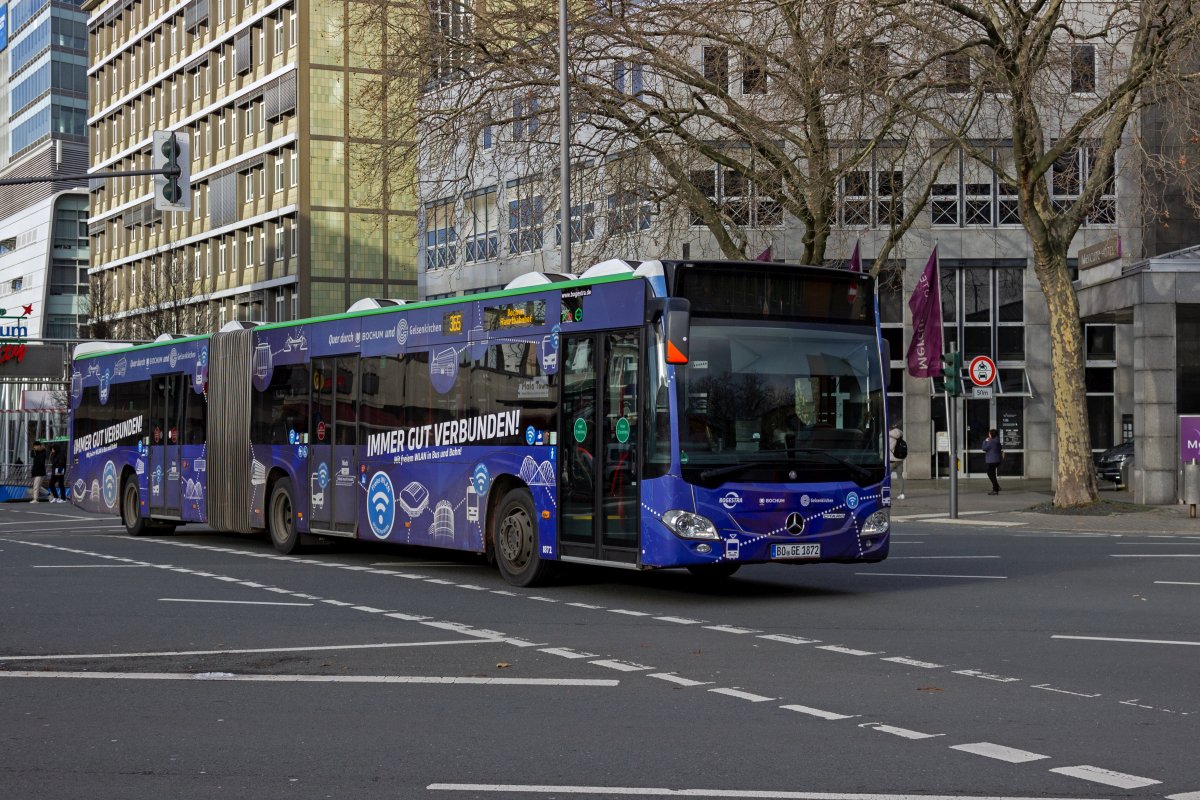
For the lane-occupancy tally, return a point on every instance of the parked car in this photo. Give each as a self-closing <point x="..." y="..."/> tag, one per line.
<point x="1110" y="463"/>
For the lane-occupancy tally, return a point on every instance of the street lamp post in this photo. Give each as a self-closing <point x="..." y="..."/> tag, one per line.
<point x="564" y="143"/>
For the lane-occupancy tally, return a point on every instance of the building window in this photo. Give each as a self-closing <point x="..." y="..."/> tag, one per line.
<point x="628" y="212"/>
<point x="482" y="233"/>
<point x="754" y="74"/>
<point x="958" y="72"/>
<point x="526" y="215"/>
<point x="440" y="235"/>
<point x="221" y="265"/>
<point x="278" y="254"/>
<point x="525" y="117"/>
<point x="628" y="78"/>
<point x="1083" y="68"/>
<point x="583" y="223"/>
<point x="280" y="168"/>
<point x="716" y="67"/>
<point x="295" y="159"/>
<point x="736" y="198"/>
<point x="295" y="229"/>
<point x="249" y="249"/>
<point x="856" y="199"/>
<point x="1071" y="172"/>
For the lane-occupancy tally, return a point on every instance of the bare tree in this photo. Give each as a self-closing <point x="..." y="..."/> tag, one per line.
<point x="164" y="299"/>
<point x="724" y="116"/>
<point x="101" y="306"/>
<point x="1065" y="81"/>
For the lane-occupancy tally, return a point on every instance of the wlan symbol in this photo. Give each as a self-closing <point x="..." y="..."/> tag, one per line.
<point x="382" y="499"/>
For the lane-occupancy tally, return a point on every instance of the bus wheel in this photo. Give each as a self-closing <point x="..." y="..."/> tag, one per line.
<point x="515" y="540"/>
<point x="135" y="524"/>
<point x="714" y="572"/>
<point x="281" y="519"/>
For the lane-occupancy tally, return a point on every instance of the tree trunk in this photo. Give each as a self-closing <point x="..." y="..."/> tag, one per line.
<point x="1076" y="484"/>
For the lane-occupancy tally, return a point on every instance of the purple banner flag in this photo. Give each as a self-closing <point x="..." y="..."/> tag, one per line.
<point x="856" y="259"/>
<point x="925" y="349"/>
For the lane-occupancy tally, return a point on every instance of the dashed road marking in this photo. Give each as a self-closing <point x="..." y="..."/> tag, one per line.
<point x="1050" y="688"/>
<point x="903" y="733"/>
<point x="680" y="620"/>
<point x="753" y="698"/>
<point x="999" y="752"/>
<point x="987" y="676"/>
<point x="671" y="678"/>
<point x="1128" y="641"/>
<point x="849" y="651"/>
<point x="912" y="662"/>
<point x="564" y="652"/>
<point x="729" y="629"/>
<point x="621" y="666"/>
<point x="231" y="602"/>
<point x="816" y="712"/>
<point x="1106" y="776"/>
<point x="228" y="676"/>
<point x="781" y="637"/>
<point x="629" y="613"/>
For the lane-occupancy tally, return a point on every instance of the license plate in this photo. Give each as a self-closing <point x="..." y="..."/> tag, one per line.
<point x="795" y="551"/>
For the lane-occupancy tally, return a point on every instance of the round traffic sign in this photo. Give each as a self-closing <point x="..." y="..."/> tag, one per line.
<point x="983" y="371"/>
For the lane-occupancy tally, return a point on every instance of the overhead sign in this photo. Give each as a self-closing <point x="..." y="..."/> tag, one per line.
<point x="3" y="26"/>
<point x="983" y="371"/>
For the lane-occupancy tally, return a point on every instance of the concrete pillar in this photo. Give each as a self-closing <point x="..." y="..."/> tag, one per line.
<point x="1154" y="381"/>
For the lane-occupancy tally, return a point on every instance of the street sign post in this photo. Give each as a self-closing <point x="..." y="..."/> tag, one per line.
<point x="982" y="371"/>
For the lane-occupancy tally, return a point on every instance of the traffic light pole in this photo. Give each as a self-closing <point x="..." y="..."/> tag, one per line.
<point x="128" y="173"/>
<point x="952" y="421"/>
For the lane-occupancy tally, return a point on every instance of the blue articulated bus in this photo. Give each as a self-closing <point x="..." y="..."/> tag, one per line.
<point x="644" y="415"/>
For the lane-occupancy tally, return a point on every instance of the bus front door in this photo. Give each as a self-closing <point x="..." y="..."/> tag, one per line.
<point x="332" y="436"/>
<point x="163" y="456"/>
<point x="598" y="486"/>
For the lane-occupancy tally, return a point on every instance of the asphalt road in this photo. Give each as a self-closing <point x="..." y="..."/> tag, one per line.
<point x="976" y="662"/>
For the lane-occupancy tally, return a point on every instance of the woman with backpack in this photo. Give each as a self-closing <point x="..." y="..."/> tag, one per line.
<point x="899" y="450"/>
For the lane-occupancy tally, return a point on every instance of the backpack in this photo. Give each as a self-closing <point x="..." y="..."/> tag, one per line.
<point x="900" y="451"/>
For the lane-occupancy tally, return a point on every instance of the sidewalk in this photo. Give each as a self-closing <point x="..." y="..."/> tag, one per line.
<point x="928" y="500"/>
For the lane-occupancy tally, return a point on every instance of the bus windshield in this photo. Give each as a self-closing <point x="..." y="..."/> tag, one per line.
<point x="764" y="395"/>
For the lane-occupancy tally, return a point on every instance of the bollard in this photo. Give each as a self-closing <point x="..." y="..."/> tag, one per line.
<point x="1191" y="486"/>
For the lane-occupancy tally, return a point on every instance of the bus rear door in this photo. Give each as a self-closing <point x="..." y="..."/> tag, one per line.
<point x="333" y="459"/>
<point x="598" y="480"/>
<point x="166" y="428"/>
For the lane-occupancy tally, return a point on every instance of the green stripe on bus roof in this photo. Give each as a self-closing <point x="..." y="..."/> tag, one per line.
<point x="441" y="301"/>
<point x="184" y="340"/>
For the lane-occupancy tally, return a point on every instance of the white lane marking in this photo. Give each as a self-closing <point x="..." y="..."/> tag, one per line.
<point x="587" y="605"/>
<point x="225" y="676"/>
<point x="230" y="602"/>
<point x="1154" y="555"/>
<point x="1178" y="583"/>
<point x="1050" y="688"/>
<point x="849" y="651"/>
<point x="1132" y="641"/>
<point x="629" y="613"/>
<point x="917" y="575"/>
<point x="407" y="617"/>
<point x="680" y="620"/>
<point x="753" y="698"/>
<point x="1184" y="796"/>
<point x="622" y="666"/>
<point x="998" y="752"/>
<point x="912" y="662"/>
<point x="657" y="791"/>
<point x="472" y="587"/>
<point x="173" y="653"/>
<point x="729" y="629"/>
<point x="566" y="652"/>
<point x="1106" y="776"/>
<point x="439" y="581"/>
<point x="504" y="592"/>
<point x="816" y="712"/>
<point x="520" y="642"/>
<point x="782" y="637"/>
<point x="541" y="599"/>
<point x="337" y="602"/>
<point x="368" y="609"/>
<point x="903" y="733"/>
<point x="404" y="564"/>
<point x="86" y="566"/>
<point x="667" y="676"/>
<point x="929" y="558"/>
<point x="64" y="517"/>
<point x="983" y="523"/>
<point x="987" y="676"/>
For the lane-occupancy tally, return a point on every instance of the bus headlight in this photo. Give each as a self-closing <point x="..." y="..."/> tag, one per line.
<point x="876" y="524"/>
<point x="689" y="526"/>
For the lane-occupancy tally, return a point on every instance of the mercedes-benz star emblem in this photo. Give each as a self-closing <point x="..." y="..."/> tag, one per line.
<point x="794" y="524"/>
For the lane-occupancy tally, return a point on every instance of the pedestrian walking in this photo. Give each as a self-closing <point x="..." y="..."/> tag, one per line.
<point x="993" y="455"/>
<point x="899" y="450"/>
<point x="58" y="473"/>
<point x="38" y="470"/>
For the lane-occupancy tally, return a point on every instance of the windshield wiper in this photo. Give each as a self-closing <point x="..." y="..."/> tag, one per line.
<point x="709" y="474"/>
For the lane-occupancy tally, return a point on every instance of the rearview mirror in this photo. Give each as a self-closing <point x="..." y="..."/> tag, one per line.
<point x="676" y="324"/>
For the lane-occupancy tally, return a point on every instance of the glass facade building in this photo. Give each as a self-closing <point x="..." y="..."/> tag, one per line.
<point x="284" y="220"/>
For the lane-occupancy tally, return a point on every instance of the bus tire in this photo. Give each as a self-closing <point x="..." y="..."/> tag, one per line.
<point x="281" y="518"/>
<point x="135" y="523"/>
<point x="514" y="536"/>
<point x="714" y="572"/>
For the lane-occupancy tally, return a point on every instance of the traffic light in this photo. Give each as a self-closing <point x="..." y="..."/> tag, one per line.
<point x="952" y="373"/>
<point x="171" y="153"/>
